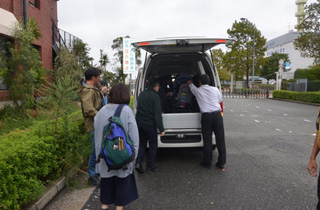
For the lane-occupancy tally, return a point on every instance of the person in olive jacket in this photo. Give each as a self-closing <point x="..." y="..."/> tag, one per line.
<point x="149" y="118"/>
<point x="91" y="103"/>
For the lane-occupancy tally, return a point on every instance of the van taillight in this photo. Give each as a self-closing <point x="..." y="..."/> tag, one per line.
<point x="220" y="40"/>
<point x="221" y="105"/>
<point x="144" y="43"/>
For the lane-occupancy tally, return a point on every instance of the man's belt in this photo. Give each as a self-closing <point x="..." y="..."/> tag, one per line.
<point x="211" y="112"/>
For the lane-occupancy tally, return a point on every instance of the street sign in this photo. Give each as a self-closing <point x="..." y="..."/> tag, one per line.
<point x="287" y="65"/>
<point x="129" y="56"/>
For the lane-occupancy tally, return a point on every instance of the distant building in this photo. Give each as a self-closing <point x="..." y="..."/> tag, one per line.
<point x="45" y="14"/>
<point x="284" y="44"/>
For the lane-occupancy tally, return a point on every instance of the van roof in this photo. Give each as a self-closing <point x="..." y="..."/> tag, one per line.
<point x="180" y="44"/>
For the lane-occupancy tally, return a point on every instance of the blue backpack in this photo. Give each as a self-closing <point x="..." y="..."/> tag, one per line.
<point x="116" y="147"/>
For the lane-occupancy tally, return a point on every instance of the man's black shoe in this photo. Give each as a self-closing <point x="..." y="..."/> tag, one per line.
<point x="221" y="167"/>
<point x="152" y="170"/>
<point x="139" y="168"/>
<point x="205" y="165"/>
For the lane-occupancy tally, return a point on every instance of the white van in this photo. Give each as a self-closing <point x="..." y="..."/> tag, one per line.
<point x="170" y="59"/>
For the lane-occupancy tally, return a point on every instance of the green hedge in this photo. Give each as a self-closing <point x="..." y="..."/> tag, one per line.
<point x="311" y="74"/>
<point x="314" y="85"/>
<point x="311" y="97"/>
<point x="31" y="158"/>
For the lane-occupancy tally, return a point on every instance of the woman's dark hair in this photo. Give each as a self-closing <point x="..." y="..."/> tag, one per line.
<point x="204" y="79"/>
<point x="103" y="83"/>
<point x="91" y="72"/>
<point x="119" y="94"/>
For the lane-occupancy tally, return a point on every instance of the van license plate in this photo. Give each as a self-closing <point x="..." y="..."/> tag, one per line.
<point x="180" y="136"/>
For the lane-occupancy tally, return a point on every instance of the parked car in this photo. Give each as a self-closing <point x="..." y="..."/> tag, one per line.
<point x="172" y="59"/>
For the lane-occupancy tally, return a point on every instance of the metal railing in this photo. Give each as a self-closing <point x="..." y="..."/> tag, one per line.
<point x="246" y="93"/>
<point x="61" y="38"/>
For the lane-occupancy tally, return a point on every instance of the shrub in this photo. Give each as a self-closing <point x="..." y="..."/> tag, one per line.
<point x="131" y="102"/>
<point x="23" y="72"/>
<point x="267" y="86"/>
<point x="310" y="74"/>
<point x="31" y="158"/>
<point x="311" y="97"/>
<point x="314" y="85"/>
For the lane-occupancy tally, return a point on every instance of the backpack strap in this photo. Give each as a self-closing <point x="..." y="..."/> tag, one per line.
<point x="118" y="110"/>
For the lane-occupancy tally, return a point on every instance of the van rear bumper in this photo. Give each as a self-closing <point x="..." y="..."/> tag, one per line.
<point x="182" y="138"/>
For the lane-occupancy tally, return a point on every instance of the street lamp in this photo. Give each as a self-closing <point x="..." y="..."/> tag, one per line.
<point x="253" y="56"/>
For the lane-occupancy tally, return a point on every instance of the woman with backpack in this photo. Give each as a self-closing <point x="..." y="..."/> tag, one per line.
<point x="118" y="186"/>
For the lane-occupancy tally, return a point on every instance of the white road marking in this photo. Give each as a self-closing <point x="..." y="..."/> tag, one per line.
<point x="307" y="120"/>
<point x="241" y="115"/>
<point x="257" y="107"/>
<point x="285" y="114"/>
<point x="269" y="110"/>
<point x="278" y="130"/>
<point x="257" y="121"/>
<point x="245" y="111"/>
<point x="314" y="134"/>
<point x="231" y="110"/>
<point x="290" y="131"/>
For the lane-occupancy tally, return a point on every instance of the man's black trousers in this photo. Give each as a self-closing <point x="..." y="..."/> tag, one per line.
<point x="213" y="122"/>
<point x="147" y="133"/>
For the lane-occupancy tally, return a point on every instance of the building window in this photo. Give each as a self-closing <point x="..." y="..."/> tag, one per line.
<point x="38" y="48"/>
<point x="35" y="3"/>
<point x="4" y="54"/>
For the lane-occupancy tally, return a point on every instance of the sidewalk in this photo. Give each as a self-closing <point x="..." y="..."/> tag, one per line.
<point x="70" y="199"/>
<point x="60" y="197"/>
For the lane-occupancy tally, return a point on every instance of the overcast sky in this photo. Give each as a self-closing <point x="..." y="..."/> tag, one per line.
<point x="99" y="22"/>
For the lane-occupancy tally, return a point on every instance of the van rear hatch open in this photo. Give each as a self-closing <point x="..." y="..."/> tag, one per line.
<point x="180" y="45"/>
<point x="168" y="55"/>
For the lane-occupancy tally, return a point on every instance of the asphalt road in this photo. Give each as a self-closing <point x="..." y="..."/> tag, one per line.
<point x="268" y="148"/>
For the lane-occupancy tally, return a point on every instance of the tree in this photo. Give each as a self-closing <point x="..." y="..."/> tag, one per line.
<point x="271" y="65"/>
<point x="239" y="57"/>
<point x="109" y="78"/>
<point x="63" y="90"/>
<point x="118" y="47"/>
<point x="218" y="57"/>
<point x="81" y="51"/>
<point x="23" y="72"/>
<point x="308" y="43"/>
<point x="104" y="60"/>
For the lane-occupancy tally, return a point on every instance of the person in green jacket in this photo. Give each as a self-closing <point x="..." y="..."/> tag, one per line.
<point x="149" y="118"/>
<point x="91" y="103"/>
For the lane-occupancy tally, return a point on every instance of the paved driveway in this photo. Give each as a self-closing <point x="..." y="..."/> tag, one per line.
<point x="268" y="145"/>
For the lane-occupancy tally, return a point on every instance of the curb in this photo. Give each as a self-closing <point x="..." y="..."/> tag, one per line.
<point x="298" y="102"/>
<point x="49" y="195"/>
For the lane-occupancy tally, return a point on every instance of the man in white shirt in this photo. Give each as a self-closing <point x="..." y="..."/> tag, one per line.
<point x="209" y="99"/>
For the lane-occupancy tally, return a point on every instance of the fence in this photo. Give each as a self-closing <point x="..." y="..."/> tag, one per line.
<point x="246" y="93"/>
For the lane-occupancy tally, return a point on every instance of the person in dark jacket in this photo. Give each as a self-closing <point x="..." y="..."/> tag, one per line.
<point x="149" y="118"/>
